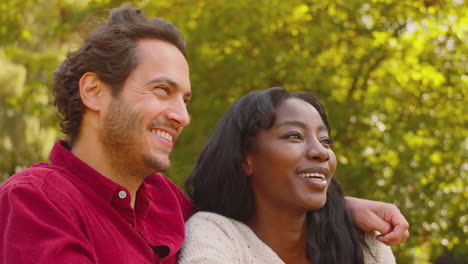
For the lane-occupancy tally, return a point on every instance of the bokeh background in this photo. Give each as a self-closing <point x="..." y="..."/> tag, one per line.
<point x="393" y="76"/>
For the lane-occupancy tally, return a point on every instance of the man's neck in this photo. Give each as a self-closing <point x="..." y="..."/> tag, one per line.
<point x="93" y="154"/>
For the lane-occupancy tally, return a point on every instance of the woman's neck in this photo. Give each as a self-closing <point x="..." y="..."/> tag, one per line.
<point x="285" y="234"/>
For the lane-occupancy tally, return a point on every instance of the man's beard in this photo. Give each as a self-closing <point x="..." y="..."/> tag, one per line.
<point x="122" y="139"/>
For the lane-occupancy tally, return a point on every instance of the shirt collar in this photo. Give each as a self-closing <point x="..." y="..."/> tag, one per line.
<point x="62" y="157"/>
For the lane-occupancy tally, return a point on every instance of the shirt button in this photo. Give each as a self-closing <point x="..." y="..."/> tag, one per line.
<point x="122" y="194"/>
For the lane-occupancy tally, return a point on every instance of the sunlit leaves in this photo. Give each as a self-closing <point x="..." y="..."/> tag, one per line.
<point x="392" y="74"/>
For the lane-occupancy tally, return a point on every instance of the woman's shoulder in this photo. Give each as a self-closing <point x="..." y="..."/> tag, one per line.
<point x="209" y="238"/>
<point x="212" y="238"/>
<point x="204" y="216"/>
<point x="219" y="230"/>
<point x="377" y="252"/>
<point x="208" y="222"/>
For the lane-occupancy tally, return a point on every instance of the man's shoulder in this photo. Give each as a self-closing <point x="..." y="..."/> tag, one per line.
<point x="40" y="177"/>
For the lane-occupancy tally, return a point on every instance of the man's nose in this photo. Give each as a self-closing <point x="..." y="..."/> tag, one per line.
<point x="178" y="113"/>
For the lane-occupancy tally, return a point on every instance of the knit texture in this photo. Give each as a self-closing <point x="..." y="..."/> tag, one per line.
<point x="215" y="239"/>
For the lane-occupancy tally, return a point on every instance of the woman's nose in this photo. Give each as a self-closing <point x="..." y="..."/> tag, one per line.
<point x="317" y="151"/>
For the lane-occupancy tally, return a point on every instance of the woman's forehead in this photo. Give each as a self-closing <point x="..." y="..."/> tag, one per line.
<point x="296" y="109"/>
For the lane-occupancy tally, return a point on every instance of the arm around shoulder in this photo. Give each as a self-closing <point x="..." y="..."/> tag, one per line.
<point x="382" y="217"/>
<point x="35" y="229"/>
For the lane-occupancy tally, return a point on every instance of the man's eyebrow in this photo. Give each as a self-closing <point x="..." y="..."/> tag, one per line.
<point x="168" y="82"/>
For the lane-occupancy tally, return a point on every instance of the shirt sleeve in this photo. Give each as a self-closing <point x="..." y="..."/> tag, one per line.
<point x="208" y="241"/>
<point x="35" y="227"/>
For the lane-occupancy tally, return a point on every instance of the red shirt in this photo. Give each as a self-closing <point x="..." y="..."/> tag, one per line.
<point x="67" y="212"/>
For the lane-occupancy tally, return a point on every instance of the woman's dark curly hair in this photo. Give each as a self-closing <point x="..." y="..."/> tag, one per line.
<point x="218" y="182"/>
<point x="110" y="53"/>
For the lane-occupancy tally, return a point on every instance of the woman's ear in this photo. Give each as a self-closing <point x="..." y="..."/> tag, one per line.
<point x="91" y="91"/>
<point x="247" y="164"/>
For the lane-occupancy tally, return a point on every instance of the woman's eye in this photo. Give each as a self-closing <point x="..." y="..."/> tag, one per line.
<point x="326" y="141"/>
<point x="293" y="136"/>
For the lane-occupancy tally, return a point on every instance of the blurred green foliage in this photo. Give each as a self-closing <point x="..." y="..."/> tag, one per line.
<point x="392" y="74"/>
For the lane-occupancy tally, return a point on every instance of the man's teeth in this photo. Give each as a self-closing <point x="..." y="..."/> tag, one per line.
<point x="312" y="175"/>
<point x="162" y="134"/>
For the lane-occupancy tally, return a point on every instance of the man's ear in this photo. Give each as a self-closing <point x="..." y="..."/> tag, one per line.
<point x="247" y="163"/>
<point x="91" y="91"/>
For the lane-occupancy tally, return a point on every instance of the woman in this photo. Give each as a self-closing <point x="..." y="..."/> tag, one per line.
<point x="265" y="181"/>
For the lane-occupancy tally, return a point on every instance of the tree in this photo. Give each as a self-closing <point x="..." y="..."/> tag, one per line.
<point x="392" y="74"/>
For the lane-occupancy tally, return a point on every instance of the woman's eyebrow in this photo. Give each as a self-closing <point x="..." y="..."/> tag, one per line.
<point x="320" y="128"/>
<point x="292" y="123"/>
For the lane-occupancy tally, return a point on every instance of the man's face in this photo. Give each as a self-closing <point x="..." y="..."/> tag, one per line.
<point x="141" y="124"/>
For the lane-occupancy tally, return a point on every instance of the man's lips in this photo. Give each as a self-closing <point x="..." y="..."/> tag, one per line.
<point x="163" y="134"/>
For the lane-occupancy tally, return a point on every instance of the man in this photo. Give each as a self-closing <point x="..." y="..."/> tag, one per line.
<point x="122" y="97"/>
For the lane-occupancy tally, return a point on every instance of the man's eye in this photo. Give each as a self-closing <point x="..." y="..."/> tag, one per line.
<point x="162" y="88"/>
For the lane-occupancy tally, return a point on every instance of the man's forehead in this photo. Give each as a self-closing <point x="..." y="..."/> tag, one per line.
<point x="162" y="61"/>
<point x="156" y="48"/>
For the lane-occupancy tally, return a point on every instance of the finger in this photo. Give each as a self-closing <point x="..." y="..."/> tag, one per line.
<point x="382" y="239"/>
<point x="389" y="241"/>
<point x="397" y="218"/>
<point x="397" y="236"/>
<point x="377" y="224"/>
<point x="406" y="235"/>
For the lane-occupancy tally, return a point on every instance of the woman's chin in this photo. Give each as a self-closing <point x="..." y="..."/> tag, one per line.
<point x="317" y="204"/>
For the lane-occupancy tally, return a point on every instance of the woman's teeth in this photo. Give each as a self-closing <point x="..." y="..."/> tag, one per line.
<point x="313" y="175"/>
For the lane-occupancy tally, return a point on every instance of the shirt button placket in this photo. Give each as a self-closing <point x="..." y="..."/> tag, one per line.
<point x="122" y="194"/>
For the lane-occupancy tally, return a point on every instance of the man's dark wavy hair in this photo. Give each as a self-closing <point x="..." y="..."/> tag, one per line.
<point x="109" y="52"/>
<point x="218" y="183"/>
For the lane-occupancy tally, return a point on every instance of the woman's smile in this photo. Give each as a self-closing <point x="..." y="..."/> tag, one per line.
<point x="318" y="177"/>
<point x="292" y="163"/>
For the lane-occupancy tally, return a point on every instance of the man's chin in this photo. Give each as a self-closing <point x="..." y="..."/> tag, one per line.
<point x="158" y="165"/>
<point x="164" y="169"/>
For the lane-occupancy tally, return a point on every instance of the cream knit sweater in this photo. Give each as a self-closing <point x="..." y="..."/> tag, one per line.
<point x="215" y="239"/>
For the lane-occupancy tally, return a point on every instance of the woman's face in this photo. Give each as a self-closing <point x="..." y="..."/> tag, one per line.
<point x="291" y="164"/>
